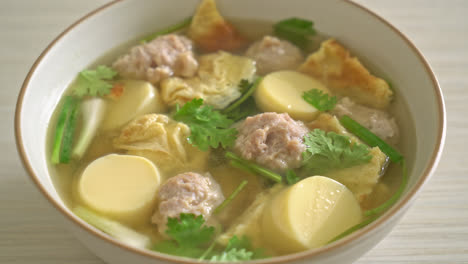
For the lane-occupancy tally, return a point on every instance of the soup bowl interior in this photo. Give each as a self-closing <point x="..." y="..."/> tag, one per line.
<point x="379" y="46"/>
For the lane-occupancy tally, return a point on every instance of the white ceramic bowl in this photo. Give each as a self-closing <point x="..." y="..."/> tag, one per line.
<point x="377" y="43"/>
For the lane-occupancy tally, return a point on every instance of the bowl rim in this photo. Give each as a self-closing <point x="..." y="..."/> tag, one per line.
<point x="390" y="213"/>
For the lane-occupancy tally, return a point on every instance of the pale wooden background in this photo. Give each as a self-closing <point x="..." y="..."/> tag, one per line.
<point x="435" y="230"/>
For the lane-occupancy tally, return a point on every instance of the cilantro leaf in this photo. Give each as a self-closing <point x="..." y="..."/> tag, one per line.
<point x="326" y="151"/>
<point x="295" y="30"/>
<point x="209" y="128"/>
<point x="189" y="231"/>
<point x="236" y="250"/>
<point x="188" y="236"/>
<point x="320" y="100"/>
<point x="239" y="249"/>
<point x="94" y="82"/>
<point x="233" y="255"/>
<point x="291" y="177"/>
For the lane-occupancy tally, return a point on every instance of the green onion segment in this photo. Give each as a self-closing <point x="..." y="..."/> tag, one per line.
<point x="370" y="138"/>
<point x="65" y="130"/>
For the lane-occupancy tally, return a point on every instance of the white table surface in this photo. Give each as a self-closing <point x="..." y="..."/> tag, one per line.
<point x="435" y="230"/>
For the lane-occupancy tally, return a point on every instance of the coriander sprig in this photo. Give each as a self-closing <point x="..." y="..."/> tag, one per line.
<point x="326" y="151"/>
<point x="188" y="236"/>
<point x="208" y="127"/>
<point x="94" y="82"/>
<point x="320" y="100"/>
<point x="296" y="30"/>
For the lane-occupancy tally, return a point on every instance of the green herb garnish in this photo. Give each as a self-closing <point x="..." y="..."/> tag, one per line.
<point x="390" y="84"/>
<point x="188" y="236"/>
<point x="233" y="255"/>
<point x="245" y="86"/>
<point x="326" y="151"/>
<point x="374" y="141"/>
<point x="252" y="167"/>
<point x="291" y="177"/>
<point x="245" y="105"/>
<point x="231" y="197"/>
<point x="320" y="100"/>
<point x="296" y="30"/>
<point x="209" y="128"/>
<point x="370" y="138"/>
<point x="236" y="250"/>
<point x="65" y="130"/>
<point x="115" y="229"/>
<point x="94" y="82"/>
<point x="179" y="26"/>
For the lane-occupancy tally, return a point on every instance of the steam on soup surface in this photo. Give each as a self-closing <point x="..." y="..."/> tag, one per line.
<point x="218" y="144"/>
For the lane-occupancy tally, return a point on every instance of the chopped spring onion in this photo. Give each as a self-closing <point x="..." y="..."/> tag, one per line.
<point x="247" y="108"/>
<point x="320" y="100"/>
<point x="231" y="197"/>
<point x="65" y="130"/>
<point x="113" y="228"/>
<point x="93" y="110"/>
<point x="370" y="138"/>
<point x="252" y="167"/>
<point x="179" y="26"/>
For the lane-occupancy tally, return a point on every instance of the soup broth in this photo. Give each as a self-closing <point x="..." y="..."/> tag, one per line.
<point x="219" y="168"/>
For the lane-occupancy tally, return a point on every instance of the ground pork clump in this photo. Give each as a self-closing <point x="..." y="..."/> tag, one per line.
<point x="272" y="140"/>
<point x="165" y="56"/>
<point x="272" y="54"/>
<point x="189" y="193"/>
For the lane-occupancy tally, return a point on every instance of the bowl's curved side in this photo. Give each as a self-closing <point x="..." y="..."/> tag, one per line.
<point x="30" y="149"/>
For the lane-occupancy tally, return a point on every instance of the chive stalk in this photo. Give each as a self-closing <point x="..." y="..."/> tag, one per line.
<point x="179" y="26"/>
<point x="250" y="166"/>
<point x="231" y="197"/>
<point x="370" y="138"/>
